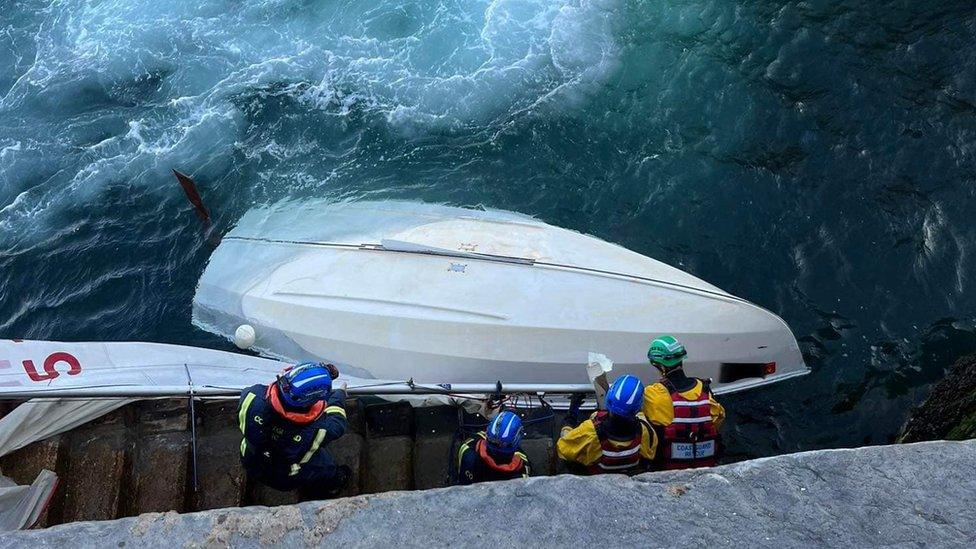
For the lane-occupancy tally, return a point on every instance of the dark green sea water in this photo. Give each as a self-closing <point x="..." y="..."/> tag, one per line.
<point x="816" y="157"/>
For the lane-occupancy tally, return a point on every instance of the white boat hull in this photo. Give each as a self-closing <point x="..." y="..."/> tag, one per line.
<point x="410" y="303"/>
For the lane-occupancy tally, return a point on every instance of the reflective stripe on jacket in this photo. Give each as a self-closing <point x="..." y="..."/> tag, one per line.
<point x="687" y="425"/>
<point x="279" y="447"/>
<point x="585" y="447"/>
<point x="658" y="408"/>
<point x="472" y="467"/>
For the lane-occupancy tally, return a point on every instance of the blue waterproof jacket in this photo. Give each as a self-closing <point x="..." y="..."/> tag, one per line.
<point x="476" y="464"/>
<point x="282" y="453"/>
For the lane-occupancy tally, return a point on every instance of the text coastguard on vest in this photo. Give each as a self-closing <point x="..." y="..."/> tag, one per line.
<point x="682" y="410"/>
<point x="616" y="440"/>
<point x="692" y="439"/>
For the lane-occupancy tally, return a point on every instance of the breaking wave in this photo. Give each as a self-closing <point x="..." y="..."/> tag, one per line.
<point x="120" y="91"/>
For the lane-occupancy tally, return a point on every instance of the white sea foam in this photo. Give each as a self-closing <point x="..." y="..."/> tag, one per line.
<point x="418" y="67"/>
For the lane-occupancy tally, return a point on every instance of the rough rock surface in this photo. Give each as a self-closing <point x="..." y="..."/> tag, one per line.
<point x="840" y="498"/>
<point x="949" y="412"/>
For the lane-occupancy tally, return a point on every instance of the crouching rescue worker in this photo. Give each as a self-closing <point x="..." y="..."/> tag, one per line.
<point x="682" y="410"/>
<point x="615" y="440"/>
<point x="286" y="428"/>
<point x="494" y="454"/>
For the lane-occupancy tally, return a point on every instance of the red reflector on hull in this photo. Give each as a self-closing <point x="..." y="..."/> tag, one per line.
<point x="769" y="368"/>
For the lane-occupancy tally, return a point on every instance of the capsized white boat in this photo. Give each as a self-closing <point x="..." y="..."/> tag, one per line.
<point x="438" y="294"/>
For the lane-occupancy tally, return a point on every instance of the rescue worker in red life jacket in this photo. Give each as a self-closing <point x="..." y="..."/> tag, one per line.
<point x="494" y="454"/>
<point x="682" y="410"/>
<point x="617" y="440"/>
<point x="286" y="428"/>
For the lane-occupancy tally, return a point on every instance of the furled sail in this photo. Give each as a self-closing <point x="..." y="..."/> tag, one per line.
<point x="30" y="369"/>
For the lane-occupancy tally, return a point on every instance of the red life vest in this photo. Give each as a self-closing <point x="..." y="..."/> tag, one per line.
<point x="301" y="418"/>
<point x="482" y="448"/>
<point x="618" y="456"/>
<point x="691" y="440"/>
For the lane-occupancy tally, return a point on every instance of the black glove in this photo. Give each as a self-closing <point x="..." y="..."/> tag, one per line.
<point x="572" y="415"/>
<point x="601" y="430"/>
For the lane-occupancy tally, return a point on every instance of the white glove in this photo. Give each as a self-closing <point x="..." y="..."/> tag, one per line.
<point x="339" y="385"/>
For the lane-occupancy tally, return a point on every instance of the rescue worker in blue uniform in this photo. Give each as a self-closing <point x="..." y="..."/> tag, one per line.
<point x="495" y="453"/>
<point x="615" y="440"/>
<point x="286" y="427"/>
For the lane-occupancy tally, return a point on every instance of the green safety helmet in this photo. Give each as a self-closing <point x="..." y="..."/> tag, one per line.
<point x="666" y="351"/>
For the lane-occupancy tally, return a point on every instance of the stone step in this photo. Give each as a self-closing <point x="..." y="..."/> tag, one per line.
<point x="96" y="473"/>
<point x="349" y="451"/>
<point x="161" y="458"/>
<point x="220" y="477"/>
<point x="389" y="464"/>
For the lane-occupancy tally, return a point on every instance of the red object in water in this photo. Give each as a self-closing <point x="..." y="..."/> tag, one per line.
<point x="769" y="368"/>
<point x="190" y="188"/>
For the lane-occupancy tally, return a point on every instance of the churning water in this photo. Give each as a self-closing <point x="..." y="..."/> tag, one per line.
<point x="817" y="157"/>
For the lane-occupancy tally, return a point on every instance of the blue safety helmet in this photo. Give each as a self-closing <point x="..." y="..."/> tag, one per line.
<point x="504" y="433"/>
<point x="625" y="396"/>
<point x="305" y="384"/>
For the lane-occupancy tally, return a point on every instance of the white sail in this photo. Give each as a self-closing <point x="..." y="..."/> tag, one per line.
<point x="100" y="377"/>
<point x="39" y="368"/>
<point x="69" y="384"/>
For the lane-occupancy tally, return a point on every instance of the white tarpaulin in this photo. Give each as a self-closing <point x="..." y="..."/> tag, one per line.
<point x="36" y="368"/>
<point x="101" y="377"/>
<point x="22" y="506"/>
<point x="39" y="419"/>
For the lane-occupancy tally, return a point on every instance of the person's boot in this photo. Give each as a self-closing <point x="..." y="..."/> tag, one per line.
<point x="339" y="481"/>
<point x="326" y="489"/>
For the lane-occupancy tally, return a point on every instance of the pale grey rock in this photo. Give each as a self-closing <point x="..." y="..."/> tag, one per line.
<point x="900" y="496"/>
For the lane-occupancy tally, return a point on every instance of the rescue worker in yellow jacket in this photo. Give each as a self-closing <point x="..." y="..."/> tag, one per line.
<point x="617" y="440"/>
<point x="682" y="410"/>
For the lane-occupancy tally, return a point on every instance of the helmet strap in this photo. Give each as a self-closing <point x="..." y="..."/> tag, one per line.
<point x="283" y="383"/>
<point x="678" y="368"/>
<point x="668" y="370"/>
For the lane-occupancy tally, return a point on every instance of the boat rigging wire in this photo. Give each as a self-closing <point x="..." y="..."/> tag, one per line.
<point x="496" y="258"/>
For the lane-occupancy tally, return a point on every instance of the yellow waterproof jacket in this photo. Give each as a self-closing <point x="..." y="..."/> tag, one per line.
<point x="582" y="445"/>
<point x="659" y="411"/>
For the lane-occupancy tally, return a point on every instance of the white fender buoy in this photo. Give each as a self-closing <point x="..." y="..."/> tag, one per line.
<point x="244" y="336"/>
